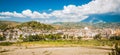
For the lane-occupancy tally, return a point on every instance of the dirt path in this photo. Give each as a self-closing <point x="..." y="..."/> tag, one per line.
<point x="56" y="51"/>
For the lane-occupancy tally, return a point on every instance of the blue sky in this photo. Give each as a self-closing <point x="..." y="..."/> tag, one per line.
<point x="37" y="5"/>
<point x="49" y="11"/>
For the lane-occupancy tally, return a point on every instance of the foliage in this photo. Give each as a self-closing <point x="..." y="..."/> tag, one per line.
<point x="21" y="38"/>
<point x="42" y="37"/>
<point x="49" y="37"/>
<point x="116" y="50"/>
<point x="79" y="37"/>
<point x="97" y="37"/>
<point x="114" y="38"/>
<point x="2" y="38"/>
<point x="53" y="36"/>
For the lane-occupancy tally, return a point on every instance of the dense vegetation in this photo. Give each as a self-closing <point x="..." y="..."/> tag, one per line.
<point x="41" y="37"/>
<point x="46" y="37"/>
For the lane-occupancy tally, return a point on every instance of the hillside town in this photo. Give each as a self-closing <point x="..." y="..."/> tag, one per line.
<point x="86" y="33"/>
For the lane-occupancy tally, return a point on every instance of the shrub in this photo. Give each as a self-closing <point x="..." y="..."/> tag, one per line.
<point x="97" y="37"/>
<point x="79" y="37"/>
<point x="116" y="50"/>
<point x="2" y="38"/>
<point x="6" y="43"/>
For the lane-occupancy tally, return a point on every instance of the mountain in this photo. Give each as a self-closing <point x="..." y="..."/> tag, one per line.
<point x="109" y="20"/>
<point x="102" y="18"/>
<point x="70" y="25"/>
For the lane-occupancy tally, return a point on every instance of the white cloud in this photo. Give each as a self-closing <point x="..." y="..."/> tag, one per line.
<point x="93" y="7"/>
<point x="71" y="12"/>
<point x="79" y="13"/>
<point x="100" y="6"/>
<point x="12" y="14"/>
<point x="35" y="14"/>
<point x="27" y="13"/>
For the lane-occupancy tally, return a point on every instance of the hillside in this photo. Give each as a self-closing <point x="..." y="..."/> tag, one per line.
<point x="8" y="24"/>
<point x="4" y="25"/>
<point x="35" y="25"/>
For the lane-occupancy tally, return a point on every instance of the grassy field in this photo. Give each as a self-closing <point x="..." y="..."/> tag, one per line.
<point x="63" y="43"/>
<point x="69" y="43"/>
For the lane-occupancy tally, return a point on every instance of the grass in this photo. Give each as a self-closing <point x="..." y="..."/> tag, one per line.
<point x="71" y="43"/>
<point x="61" y="43"/>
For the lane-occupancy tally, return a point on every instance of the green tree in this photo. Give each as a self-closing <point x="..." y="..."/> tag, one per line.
<point x="28" y="38"/>
<point x="116" y="50"/>
<point x="97" y="37"/>
<point x="42" y="37"/>
<point x="79" y="37"/>
<point x="114" y="38"/>
<point x="71" y="37"/>
<point x="2" y="38"/>
<point x="21" y="38"/>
